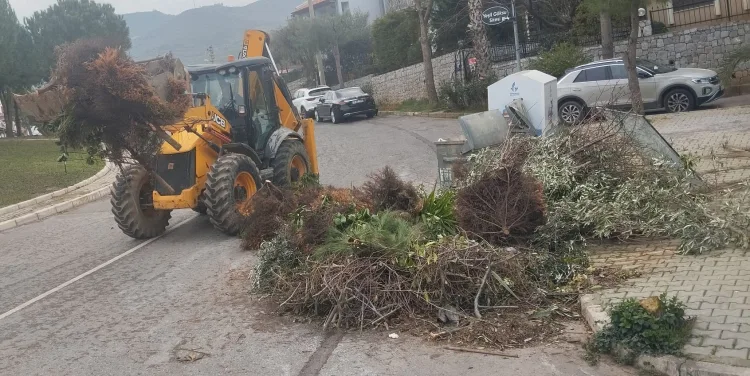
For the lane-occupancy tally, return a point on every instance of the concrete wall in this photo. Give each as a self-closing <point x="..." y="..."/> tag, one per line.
<point x="701" y="47"/>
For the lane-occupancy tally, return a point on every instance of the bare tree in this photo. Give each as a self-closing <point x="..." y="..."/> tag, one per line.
<point x="608" y="44"/>
<point x="557" y="14"/>
<point x="479" y="38"/>
<point x="424" y="10"/>
<point x="630" y="62"/>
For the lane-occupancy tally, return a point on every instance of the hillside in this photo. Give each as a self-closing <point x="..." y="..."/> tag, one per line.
<point x="188" y="34"/>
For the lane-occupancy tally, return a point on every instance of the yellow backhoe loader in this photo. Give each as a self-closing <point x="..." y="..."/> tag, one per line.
<point x="241" y="130"/>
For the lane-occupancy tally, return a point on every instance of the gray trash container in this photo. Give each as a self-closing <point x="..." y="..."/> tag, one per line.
<point x="448" y="153"/>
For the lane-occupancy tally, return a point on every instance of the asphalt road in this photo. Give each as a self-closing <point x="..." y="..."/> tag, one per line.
<point x="77" y="297"/>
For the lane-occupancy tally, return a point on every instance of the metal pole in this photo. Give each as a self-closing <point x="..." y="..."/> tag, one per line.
<point x="515" y="35"/>
<point x="318" y="56"/>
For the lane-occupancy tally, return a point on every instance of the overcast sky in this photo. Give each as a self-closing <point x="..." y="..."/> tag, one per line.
<point x="25" y="8"/>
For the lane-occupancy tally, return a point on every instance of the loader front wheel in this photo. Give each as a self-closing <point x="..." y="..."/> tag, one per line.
<point x="290" y="164"/>
<point x="133" y="205"/>
<point x="231" y="183"/>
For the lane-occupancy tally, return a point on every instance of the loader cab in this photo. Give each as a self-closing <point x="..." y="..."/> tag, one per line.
<point x="243" y="92"/>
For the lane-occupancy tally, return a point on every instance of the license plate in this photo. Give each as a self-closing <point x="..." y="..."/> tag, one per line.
<point x="357" y="101"/>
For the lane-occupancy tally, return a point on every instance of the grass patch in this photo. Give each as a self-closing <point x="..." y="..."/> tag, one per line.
<point x="416" y="105"/>
<point x="30" y="169"/>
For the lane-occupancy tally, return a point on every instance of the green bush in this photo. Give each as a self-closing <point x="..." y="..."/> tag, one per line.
<point x="395" y="40"/>
<point x="463" y="95"/>
<point x="637" y="331"/>
<point x="658" y="28"/>
<point x="561" y="57"/>
<point x="275" y="255"/>
<point x="387" y="234"/>
<point x="438" y="214"/>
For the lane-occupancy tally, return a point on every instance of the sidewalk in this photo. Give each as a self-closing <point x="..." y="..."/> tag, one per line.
<point x="49" y="204"/>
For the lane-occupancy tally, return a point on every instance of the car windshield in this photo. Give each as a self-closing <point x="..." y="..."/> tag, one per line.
<point x="654" y="68"/>
<point x="320" y="91"/>
<point x="350" y="92"/>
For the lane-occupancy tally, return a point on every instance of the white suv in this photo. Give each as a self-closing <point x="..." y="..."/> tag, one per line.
<point x="306" y="99"/>
<point x="605" y="84"/>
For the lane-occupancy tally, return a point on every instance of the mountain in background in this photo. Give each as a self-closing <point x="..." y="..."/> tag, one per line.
<point x="188" y="34"/>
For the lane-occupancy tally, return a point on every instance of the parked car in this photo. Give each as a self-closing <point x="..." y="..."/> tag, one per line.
<point x="605" y="84"/>
<point x="345" y="103"/>
<point x="306" y="99"/>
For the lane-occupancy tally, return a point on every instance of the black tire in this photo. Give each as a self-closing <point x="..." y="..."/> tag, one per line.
<point x="290" y="159"/>
<point x="370" y="115"/>
<point x="679" y="100"/>
<point x="303" y="112"/>
<point x="336" y="116"/>
<point x="223" y="197"/>
<point x="318" y="118"/>
<point x="571" y="112"/>
<point x="131" y="195"/>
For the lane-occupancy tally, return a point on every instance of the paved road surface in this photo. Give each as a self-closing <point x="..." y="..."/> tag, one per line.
<point x="68" y="308"/>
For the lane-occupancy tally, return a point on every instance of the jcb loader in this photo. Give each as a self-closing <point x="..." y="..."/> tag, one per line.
<point x="241" y="130"/>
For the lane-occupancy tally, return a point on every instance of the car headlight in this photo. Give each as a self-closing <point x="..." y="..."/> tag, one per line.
<point x="706" y="80"/>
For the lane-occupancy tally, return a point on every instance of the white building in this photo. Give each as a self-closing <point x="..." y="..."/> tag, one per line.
<point x="375" y="8"/>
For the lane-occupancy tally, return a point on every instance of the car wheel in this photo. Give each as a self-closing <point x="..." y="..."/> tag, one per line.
<point x="317" y="117"/>
<point x="679" y="100"/>
<point x="302" y="112"/>
<point x="570" y="112"/>
<point x="336" y="116"/>
<point x="370" y="115"/>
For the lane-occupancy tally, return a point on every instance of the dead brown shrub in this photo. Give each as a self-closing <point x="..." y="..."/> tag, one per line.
<point x="269" y="209"/>
<point x="502" y="207"/>
<point x="388" y="192"/>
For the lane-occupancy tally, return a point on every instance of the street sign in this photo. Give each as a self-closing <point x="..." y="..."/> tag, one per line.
<point x="495" y="15"/>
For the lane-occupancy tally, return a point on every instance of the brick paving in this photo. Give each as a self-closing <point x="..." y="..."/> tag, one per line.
<point x="715" y="287"/>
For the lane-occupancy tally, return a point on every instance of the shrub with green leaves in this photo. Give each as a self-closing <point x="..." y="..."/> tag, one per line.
<point x="274" y="256"/>
<point x="438" y="214"/>
<point x="388" y="234"/>
<point x="561" y="57"/>
<point x="466" y="95"/>
<point x="636" y="330"/>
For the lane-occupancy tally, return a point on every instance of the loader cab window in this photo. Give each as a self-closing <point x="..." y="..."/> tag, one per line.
<point x="224" y="90"/>
<point x="260" y="92"/>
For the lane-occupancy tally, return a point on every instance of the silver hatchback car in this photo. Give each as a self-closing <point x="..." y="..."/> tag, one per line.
<point x="605" y="84"/>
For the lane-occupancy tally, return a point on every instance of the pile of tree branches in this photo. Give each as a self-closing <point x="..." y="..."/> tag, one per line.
<point x="111" y="109"/>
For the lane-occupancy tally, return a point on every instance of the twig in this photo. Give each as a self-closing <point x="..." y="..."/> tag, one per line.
<point x="497" y="306"/>
<point x="464" y="349"/>
<point x="448" y="331"/>
<point x="479" y="292"/>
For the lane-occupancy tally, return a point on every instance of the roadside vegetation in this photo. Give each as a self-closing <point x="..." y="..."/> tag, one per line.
<point x="30" y="168"/>
<point x="496" y="261"/>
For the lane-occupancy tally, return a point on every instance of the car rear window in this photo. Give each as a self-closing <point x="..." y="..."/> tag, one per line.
<point x="320" y="91"/>
<point x="350" y="92"/>
<point x="593" y="74"/>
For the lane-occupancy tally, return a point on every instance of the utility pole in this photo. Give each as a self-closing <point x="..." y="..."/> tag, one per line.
<point x="318" y="56"/>
<point x="515" y="35"/>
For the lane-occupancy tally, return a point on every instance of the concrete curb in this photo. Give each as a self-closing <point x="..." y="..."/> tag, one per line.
<point x="49" y="196"/>
<point x="54" y="209"/>
<point x="439" y="115"/>
<point x="596" y="317"/>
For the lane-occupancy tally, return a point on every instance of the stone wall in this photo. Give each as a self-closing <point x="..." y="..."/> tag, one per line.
<point x="701" y="47"/>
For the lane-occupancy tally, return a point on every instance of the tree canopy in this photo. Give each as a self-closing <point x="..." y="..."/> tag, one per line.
<point x="395" y="40"/>
<point x="70" y="20"/>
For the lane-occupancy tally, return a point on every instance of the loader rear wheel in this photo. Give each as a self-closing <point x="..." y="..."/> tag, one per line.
<point x="290" y="164"/>
<point x="133" y="205"/>
<point x="231" y="183"/>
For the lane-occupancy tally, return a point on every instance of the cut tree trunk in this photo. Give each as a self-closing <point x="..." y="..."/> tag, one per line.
<point x="337" y="57"/>
<point x="19" y="133"/>
<point x="479" y="39"/>
<point x="424" y="10"/>
<point x="629" y="58"/>
<point x="608" y="45"/>
<point x="8" y="117"/>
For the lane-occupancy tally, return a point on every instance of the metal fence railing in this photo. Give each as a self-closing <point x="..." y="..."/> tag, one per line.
<point x="534" y="43"/>
<point x="693" y="12"/>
